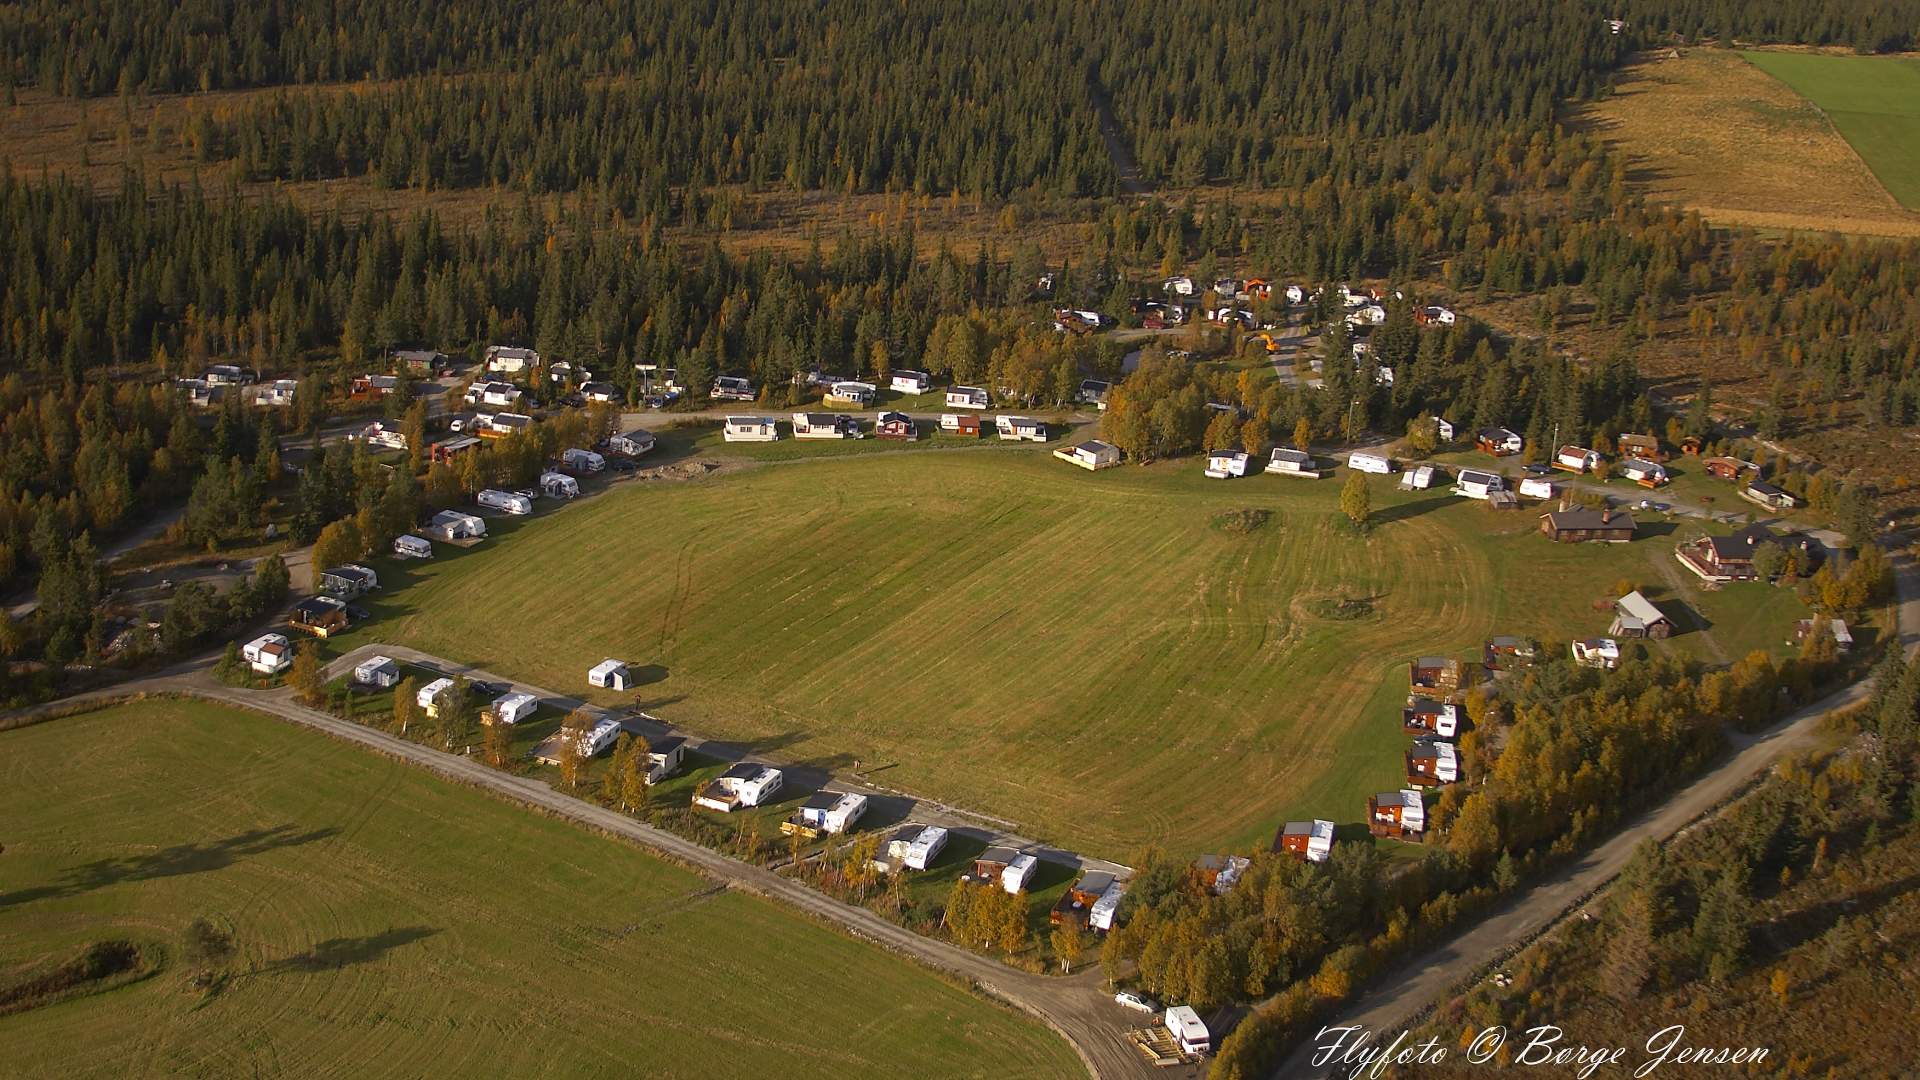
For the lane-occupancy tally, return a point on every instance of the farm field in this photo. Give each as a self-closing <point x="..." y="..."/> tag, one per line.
<point x="1709" y="131"/>
<point x="1873" y="100"/>
<point x="389" y="923"/>
<point x="1086" y="655"/>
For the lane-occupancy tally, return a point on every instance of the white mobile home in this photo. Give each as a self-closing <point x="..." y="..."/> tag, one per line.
<point x="858" y="394"/>
<point x="747" y="783"/>
<point x="632" y="443"/>
<point x="731" y="388"/>
<point x="1020" y="428"/>
<point x="1018" y="873"/>
<point x="278" y="393"/>
<point x="511" y="708"/>
<point x="967" y="397"/>
<point x="1222" y="464"/>
<point x="1370" y="463"/>
<point x="610" y="675"/>
<point x="582" y="460"/>
<point x="808" y="425"/>
<point x="750" y="429"/>
<point x="1309" y="841"/>
<point x="557" y="485"/>
<point x="1289" y="462"/>
<point x="664" y="756"/>
<point x="1091" y="455"/>
<point x="377" y="671"/>
<point x="428" y="697"/>
<point x="454" y="525"/>
<point x="597" y="739"/>
<point x="1100" y="916"/>
<point x="268" y="654"/>
<point x="910" y="382"/>
<point x="1187" y="1030"/>
<point x="831" y="812"/>
<point x="920" y="852"/>
<point x="349" y="581"/>
<point x="1645" y="473"/>
<point x="508" y="502"/>
<point x="407" y="546"/>
<point x="1475" y="484"/>
<point x="508" y="360"/>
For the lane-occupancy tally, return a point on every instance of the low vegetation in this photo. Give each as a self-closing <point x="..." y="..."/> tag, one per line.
<point x="1070" y="620"/>
<point x="347" y="909"/>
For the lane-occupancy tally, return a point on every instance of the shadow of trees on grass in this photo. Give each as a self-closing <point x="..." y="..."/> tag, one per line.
<point x="194" y="857"/>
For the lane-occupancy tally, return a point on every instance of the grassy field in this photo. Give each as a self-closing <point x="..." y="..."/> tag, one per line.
<point x="1873" y="100"/>
<point x="1711" y="132"/>
<point x="388" y="923"/>
<point x="1087" y="655"/>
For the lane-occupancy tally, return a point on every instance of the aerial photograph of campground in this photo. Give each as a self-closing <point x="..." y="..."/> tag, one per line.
<point x="1217" y="541"/>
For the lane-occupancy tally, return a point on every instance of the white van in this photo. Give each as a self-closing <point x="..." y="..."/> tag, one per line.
<point x="583" y="460"/>
<point x="506" y="501"/>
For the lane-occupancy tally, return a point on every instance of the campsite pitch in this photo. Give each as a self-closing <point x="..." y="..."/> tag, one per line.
<point x="1089" y="656"/>
<point x="388" y="923"/>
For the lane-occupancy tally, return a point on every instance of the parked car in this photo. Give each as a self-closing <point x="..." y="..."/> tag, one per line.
<point x="1137" y="1001"/>
<point x="623" y="465"/>
<point x="1537" y="470"/>
<point x="482" y="688"/>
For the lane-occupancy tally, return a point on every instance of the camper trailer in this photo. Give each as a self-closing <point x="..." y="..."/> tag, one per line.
<point x="511" y="708"/>
<point x="407" y="546"/>
<point x="808" y="425"/>
<point x="1370" y="463"/>
<point x="556" y="485"/>
<point x="582" y="461"/>
<point x="507" y="502"/>
<point x="1222" y="464"/>
<point x="910" y="382"/>
<point x="454" y="525"/>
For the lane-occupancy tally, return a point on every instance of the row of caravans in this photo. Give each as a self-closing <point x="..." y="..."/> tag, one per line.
<point x="809" y="425"/>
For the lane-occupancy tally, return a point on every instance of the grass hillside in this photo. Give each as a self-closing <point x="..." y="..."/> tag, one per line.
<point x="1873" y="100"/>
<point x="1089" y="655"/>
<point x="1706" y="130"/>
<point x="391" y="924"/>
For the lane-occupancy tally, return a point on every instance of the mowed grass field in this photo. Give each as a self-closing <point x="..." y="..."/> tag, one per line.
<point x="1086" y="655"/>
<point x="1873" y="100"/>
<point x="391" y="924"/>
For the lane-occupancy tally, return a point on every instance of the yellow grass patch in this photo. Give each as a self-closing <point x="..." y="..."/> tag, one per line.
<point x="1710" y="132"/>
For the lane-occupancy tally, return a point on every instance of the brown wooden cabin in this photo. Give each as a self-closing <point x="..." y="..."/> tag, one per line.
<point x="1579" y="524"/>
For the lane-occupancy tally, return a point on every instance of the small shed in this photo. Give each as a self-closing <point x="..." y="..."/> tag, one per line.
<point x="1580" y="524"/>
<point x="1635" y="616"/>
<point x="1091" y="455"/>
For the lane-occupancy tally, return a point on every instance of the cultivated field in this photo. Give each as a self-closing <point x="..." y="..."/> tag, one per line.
<point x="389" y="923"/>
<point x="1087" y="655"/>
<point x="1711" y="132"/>
<point x="1873" y="100"/>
